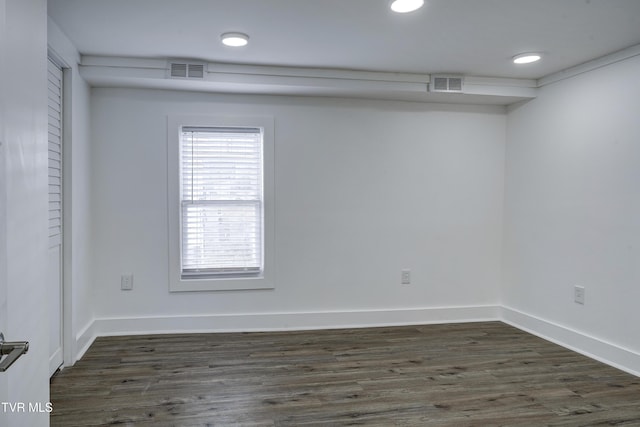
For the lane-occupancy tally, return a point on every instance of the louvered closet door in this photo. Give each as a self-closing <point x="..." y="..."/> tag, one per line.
<point x="55" y="218"/>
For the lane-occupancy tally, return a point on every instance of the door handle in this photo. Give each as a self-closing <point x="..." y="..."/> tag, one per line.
<point x="11" y="349"/>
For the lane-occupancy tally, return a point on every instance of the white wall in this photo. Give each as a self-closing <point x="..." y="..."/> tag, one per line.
<point x="363" y="189"/>
<point x="572" y="212"/>
<point x="24" y="180"/>
<point x="77" y="193"/>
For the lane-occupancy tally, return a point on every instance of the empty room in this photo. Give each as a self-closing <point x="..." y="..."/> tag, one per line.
<point x="319" y="212"/>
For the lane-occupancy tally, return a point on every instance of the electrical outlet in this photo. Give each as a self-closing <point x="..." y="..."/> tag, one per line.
<point x="126" y="282"/>
<point x="406" y="277"/>
<point x="578" y="294"/>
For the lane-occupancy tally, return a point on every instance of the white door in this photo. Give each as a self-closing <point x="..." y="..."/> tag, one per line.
<point x="4" y="393"/>
<point x="23" y="206"/>
<point x="54" y="273"/>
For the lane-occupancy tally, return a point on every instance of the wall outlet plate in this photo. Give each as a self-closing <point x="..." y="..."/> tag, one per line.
<point x="126" y="282"/>
<point x="578" y="294"/>
<point x="405" y="277"/>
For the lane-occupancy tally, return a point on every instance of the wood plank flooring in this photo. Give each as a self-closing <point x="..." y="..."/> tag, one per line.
<point x="473" y="374"/>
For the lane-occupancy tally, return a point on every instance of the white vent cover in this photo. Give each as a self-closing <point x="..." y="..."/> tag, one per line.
<point x="449" y="84"/>
<point x="184" y="70"/>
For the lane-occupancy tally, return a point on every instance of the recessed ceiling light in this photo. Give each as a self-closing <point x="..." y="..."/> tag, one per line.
<point x="526" y="58"/>
<point x="234" y="39"/>
<point x="404" y="6"/>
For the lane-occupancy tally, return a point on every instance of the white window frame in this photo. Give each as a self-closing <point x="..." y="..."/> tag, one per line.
<point x="264" y="280"/>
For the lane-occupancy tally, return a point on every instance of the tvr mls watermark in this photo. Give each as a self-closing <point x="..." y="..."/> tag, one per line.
<point x="24" y="407"/>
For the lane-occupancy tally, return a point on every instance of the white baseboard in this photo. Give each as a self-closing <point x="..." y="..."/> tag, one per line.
<point x="291" y="321"/>
<point x="277" y="322"/>
<point x="83" y="341"/>
<point x="611" y="354"/>
<point x="598" y="349"/>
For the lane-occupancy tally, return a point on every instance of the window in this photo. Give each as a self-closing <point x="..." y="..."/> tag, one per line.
<point x="220" y="231"/>
<point x="221" y="201"/>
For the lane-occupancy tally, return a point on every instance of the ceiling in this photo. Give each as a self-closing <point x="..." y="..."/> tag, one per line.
<point x="470" y="37"/>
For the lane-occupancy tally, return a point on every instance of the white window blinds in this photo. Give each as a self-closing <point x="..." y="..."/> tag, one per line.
<point x="221" y="198"/>
<point x="55" y="154"/>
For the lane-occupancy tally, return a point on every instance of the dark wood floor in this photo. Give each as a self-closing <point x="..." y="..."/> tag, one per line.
<point x="476" y="374"/>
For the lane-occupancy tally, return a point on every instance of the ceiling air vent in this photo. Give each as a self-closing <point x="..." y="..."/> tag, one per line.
<point x="448" y="84"/>
<point x="184" y="70"/>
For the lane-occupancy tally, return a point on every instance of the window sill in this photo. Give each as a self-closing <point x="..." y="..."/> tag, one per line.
<point x="226" y="284"/>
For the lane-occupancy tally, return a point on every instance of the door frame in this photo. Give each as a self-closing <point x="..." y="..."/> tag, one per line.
<point x="66" y="311"/>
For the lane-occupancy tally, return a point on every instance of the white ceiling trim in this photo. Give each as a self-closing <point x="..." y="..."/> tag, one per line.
<point x="612" y="58"/>
<point x="102" y="71"/>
